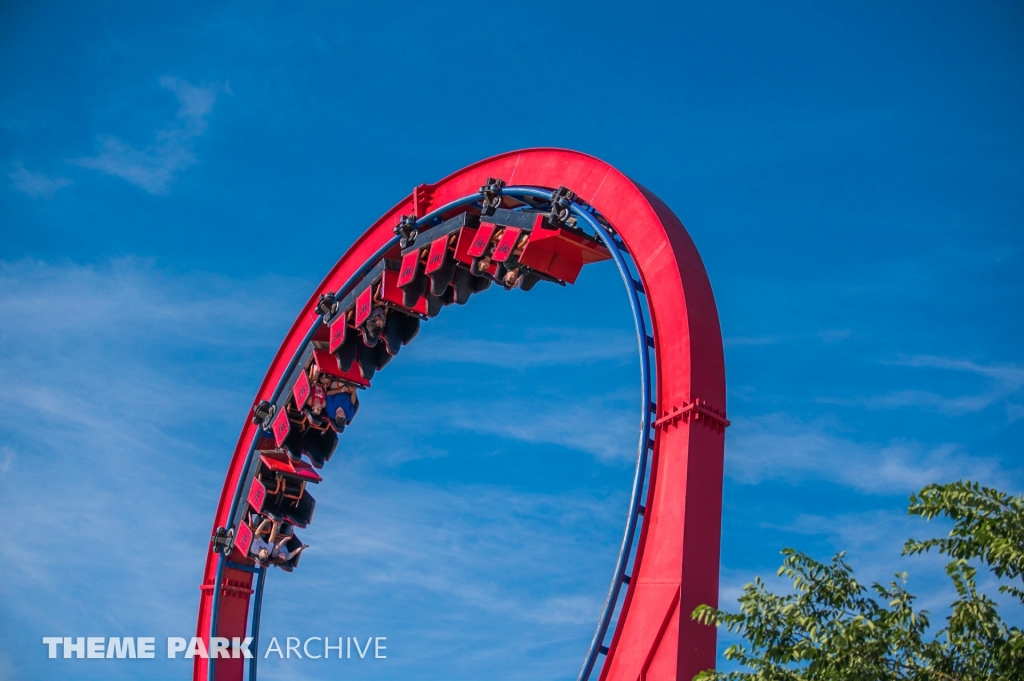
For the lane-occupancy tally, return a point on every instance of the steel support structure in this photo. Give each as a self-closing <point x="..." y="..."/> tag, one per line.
<point x="677" y="489"/>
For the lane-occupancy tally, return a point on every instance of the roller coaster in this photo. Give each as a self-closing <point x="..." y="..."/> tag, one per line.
<point x="512" y="221"/>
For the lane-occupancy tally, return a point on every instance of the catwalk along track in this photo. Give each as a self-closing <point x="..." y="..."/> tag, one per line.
<point x="517" y="220"/>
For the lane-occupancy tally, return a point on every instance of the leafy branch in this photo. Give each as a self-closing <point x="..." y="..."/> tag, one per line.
<point x="833" y="628"/>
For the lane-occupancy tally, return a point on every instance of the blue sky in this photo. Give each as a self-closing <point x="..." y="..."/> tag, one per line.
<point x="176" y="180"/>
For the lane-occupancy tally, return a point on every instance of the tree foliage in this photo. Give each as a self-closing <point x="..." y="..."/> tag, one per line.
<point x="833" y="628"/>
<point x="989" y="526"/>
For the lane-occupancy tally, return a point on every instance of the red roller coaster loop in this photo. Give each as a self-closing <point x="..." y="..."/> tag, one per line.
<point x="517" y="230"/>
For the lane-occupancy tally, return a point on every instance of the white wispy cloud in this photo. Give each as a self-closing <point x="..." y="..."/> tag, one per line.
<point x="542" y="386"/>
<point x="599" y="425"/>
<point x="488" y="560"/>
<point x="1004" y="379"/>
<point x="830" y="336"/>
<point x="35" y="184"/>
<point x="741" y="341"/>
<point x="122" y="389"/>
<point x="154" y="166"/>
<point x="603" y="425"/>
<point x="779" y="447"/>
<point x="107" y="446"/>
<point x="1009" y="374"/>
<point x="825" y="336"/>
<point x="131" y="296"/>
<point x="541" y="347"/>
<point x="863" y="532"/>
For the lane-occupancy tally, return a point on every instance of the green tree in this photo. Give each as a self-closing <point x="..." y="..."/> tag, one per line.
<point x="833" y="628"/>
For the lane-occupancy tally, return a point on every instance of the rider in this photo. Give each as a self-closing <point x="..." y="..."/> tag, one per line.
<point x="266" y="551"/>
<point x="340" y="401"/>
<point x="342" y="404"/>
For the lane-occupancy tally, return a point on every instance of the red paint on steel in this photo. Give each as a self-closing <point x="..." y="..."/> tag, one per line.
<point x="560" y="253"/>
<point x="410" y="265"/>
<point x="364" y="303"/>
<point x="328" y="364"/>
<point x="281" y="426"/>
<point x="337" y="331"/>
<point x="300" y="391"/>
<point x="390" y="291"/>
<point x="677" y="563"/>
<point x="436" y="256"/>
<point x="506" y="243"/>
<point x="257" y="495"/>
<point x="462" y="246"/>
<point x="244" y="539"/>
<point x="482" y="238"/>
<point x="288" y="468"/>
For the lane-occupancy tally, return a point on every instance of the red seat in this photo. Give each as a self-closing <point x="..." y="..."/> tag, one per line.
<point x="434" y="261"/>
<point x="278" y="489"/>
<point x="296" y="509"/>
<point x="328" y="364"/>
<point x="300" y="470"/>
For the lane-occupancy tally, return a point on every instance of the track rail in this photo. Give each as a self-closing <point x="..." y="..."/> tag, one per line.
<point x="649" y="637"/>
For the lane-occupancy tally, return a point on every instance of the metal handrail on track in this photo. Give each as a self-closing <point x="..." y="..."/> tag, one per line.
<point x="633" y="288"/>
